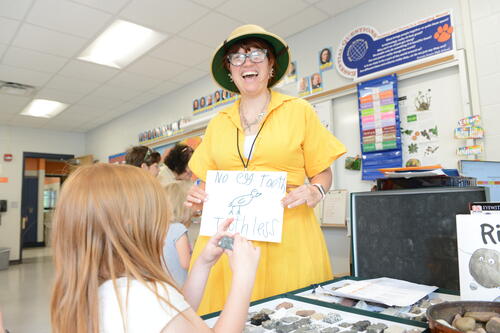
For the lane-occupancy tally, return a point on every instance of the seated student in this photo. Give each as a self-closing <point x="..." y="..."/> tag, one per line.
<point x="145" y="158"/>
<point x="177" y="160"/>
<point x="109" y="227"/>
<point x="177" y="249"/>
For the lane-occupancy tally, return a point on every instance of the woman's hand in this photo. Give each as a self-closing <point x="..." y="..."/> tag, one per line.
<point x="196" y="196"/>
<point x="212" y="252"/>
<point x="304" y="194"/>
<point x="244" y="258"/>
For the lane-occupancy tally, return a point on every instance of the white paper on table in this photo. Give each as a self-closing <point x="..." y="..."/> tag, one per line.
<point x="387" y="291"/>
<point x="252" y="198"/>
<point x="412" y="174"/>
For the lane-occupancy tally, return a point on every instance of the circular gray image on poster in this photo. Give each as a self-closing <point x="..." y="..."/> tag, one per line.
<point x="484" y="266"/>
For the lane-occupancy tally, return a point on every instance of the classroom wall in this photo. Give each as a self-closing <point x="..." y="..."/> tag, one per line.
<point x="485" y="17"/>
<point x="16" y="140"/>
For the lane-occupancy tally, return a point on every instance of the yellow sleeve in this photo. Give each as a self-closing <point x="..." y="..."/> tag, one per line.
<point x="320" y="147"/>
<point x="202" y="160"/>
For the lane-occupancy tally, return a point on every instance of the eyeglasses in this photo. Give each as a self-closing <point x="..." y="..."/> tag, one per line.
<point x="255" y="56"/>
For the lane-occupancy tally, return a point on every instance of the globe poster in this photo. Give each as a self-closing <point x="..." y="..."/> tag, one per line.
<point x="364" y="51"/>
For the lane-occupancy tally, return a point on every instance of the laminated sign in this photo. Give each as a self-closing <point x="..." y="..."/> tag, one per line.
<point x="252" y="198"/>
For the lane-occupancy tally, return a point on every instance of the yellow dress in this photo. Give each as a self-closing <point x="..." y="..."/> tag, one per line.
<point x="292" y="140"/>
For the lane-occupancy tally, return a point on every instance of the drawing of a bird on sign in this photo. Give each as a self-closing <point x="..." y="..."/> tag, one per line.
<point x="242" y="200"/>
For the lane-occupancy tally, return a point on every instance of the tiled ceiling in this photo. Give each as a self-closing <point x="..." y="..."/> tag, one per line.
<point x="40" y="41"/>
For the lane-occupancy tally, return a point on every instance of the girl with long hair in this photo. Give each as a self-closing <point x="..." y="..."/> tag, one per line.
<point x="109" y="229"/>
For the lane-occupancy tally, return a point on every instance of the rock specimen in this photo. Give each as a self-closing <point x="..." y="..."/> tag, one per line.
<point x="267" y="311"/>
<point x="493" y="325"/>
<point x="269" y="324"/>
<point x="376" y="328"/>
<point x="465" y="324"/>
<point x="284" y="305"/>
<point x="305" y="313"/>
<point x="226" y="243"/>
<point x="345" y="324"/>
<point x="361" y="325"/>
<point x="317" y="316"/>
<point x="482" y="316"/>
<point x="330" y="330"/>
<point x="395" y="329"/>
<point x="332" y="318"/>
<point x="253" y="329"/>
<point x="259" y="318"/>
<point x="484" y="266"/>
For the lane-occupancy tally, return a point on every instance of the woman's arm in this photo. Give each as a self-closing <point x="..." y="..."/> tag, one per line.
<point x="308" y="193"/>
<point x="183" y="251"/>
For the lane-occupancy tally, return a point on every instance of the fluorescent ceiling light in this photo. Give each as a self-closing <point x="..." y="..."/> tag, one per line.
<point x="43" y="108"/>
<point x="121" y="43"/>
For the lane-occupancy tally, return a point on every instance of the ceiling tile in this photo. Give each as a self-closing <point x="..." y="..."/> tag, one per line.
<point x="145" y="98"/>
<point x="27" y="121"/>
<point x="88" y="71"/>
<point x="68" y="84"/>
<point x="333" y="8"/>
<point x="262" y="12"/>
<point x="115" y="92"/>
<point x="165" y="88"/>
<point x="62" y="127"/>
<point x="84" y="110"/>
<point x="211" y="30"/>
<point x="48" y="41"/>
<point x="73" y="118"/>
<point x="182" y="51"/>
<point x="15" y="9"/>
<point x="3" y="47"/>
<point x="299" y="22"/>
<point x="134" y="81"/>
<point x="13" y="104"/>
<point x="28" y="59"/>
<point x="166" y="16"/>
<point x="210" y="3"/>
<point x="110" y="6"/>
<point x="99" y="103"/>
<point x="68" y="17"/>
<point x="24" y="76"/>
<point x="5" y="117"/>
<point x="204" y="65"/>
<point x="59" y="95"/>
<point x="189" y="76"/>
<point x="8" y="28"/>
<point x="156" y="68"/>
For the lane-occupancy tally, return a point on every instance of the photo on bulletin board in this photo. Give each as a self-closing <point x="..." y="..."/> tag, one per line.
<point x="209" y="100"/>
<point x="291" y="76"/>
<point x="227" y="94"/>
<point x="217" y="97"/>
<point x="325" y="59"/>
<point x="203" y="102"/>
<point x="196" y="104"/>
<point x="316" y="83"/>
<point x="303" y="86"/>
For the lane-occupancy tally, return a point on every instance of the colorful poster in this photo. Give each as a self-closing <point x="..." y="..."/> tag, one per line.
<point x="117" y="158"/>
<point x="364" y="51"/>
<point x="478" y="240"/>
<point x="325" y="59"/>
<point x="379" y="126"/>
<point x="291" y="76"/>
<point x="419" y="130"/>
<point x="316" y="83"/>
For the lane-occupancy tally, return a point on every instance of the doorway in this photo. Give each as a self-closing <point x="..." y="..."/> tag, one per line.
<point x="42" y="176"/>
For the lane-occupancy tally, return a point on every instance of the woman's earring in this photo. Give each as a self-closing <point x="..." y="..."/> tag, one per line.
<point x="230" y="77"/>
<point x="271" y="72"/>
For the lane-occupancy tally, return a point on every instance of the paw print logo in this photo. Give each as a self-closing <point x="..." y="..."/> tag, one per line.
<point x="443" y="33"/>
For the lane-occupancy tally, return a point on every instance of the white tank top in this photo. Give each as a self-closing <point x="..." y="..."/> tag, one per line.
<point x="249" y="139"/>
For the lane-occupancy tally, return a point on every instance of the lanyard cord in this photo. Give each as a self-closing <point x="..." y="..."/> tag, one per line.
<point x="251" y="147"/>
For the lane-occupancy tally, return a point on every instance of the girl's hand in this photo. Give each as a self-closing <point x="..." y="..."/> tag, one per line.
<point x="196" y="196"/>
<point x="212" y="252"/>
<point x="244" y="258"/>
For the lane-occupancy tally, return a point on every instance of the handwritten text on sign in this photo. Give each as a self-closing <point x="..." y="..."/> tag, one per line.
<point x="252" y="198"/>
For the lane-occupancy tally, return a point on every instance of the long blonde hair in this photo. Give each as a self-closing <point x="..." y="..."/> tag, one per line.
<point x="176" y="194"/>
<point x="110" y="222"/>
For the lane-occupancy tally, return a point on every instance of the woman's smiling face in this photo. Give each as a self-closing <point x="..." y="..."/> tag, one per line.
<point x="251" y="78"/>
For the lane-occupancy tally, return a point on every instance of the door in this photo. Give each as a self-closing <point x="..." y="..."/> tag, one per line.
<point x="29" y="211"/>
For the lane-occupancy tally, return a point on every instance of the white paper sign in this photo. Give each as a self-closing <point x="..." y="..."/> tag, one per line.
<point x="478" y="241"/>
<point x="252" y="198"/>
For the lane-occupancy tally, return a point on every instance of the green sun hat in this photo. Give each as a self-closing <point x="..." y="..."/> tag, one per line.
<point x="281" y="50"/>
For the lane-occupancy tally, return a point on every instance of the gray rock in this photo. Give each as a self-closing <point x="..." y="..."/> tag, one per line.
<point x="330" y="330"/>
<point x="361" y="325"/>
<point x="303" y="321"/>
<point x="482" y="316"/>
<point x="306" y="329"/>
<point x="267" y="311"/>
<point x="345" y="324"/>
<point x="269" y="324"/>
<point x="288" y="320"/>
<point x="376" y="328"/>
<point x="332" y="318"/>
<point x="493" y="325"/>
<point x="465" y="324"/>
<point x="226" y="243"/>
<point x="415" y="310"/>
<point x="282" y="327"/>
<point x="395" y="329"/>
<point x="253" y="329"/>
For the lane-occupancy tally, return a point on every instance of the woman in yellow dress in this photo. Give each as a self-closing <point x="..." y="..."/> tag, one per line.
<point x="267" y="131"/>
